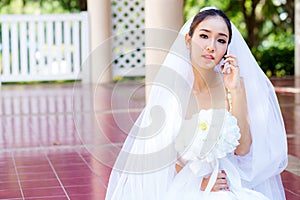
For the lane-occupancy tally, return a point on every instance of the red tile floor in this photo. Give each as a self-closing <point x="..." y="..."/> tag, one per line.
<point x="59" y="141"/>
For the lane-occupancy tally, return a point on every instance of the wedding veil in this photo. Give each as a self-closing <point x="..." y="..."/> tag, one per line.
<point x="146" y="163"/>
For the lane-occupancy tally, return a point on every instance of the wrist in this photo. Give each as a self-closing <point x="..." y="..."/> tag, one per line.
<point x="236" y="91"/>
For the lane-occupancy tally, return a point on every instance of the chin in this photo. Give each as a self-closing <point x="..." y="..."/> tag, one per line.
<point x="205" y="65"/>
<point x="209" y="66"/>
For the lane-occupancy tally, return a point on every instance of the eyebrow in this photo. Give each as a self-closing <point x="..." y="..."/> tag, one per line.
<point x="206" y="30"/>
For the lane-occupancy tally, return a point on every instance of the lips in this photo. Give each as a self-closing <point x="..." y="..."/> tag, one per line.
<point x="208" y="56"/>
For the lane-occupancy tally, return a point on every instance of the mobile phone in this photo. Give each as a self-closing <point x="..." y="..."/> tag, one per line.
<point x="220" y="66"/>
<point x="228" y="71"/>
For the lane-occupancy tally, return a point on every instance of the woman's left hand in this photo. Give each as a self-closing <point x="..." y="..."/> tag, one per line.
<point x="231" y="72"/>
<point x="221" y="183"/>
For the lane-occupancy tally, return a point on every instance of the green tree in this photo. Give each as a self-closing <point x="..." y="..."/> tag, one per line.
<point x="41" y="6"/>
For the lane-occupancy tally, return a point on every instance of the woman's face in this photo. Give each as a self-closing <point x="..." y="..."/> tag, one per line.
<point x="209" y="42"/>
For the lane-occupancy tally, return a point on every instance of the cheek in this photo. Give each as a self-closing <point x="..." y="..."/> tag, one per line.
<point x="222" y="50"/>
<point x="198" y="42"/>
<point x="197" y="47"/>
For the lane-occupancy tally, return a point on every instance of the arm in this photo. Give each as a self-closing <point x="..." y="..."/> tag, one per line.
<point x="240" y="111"/>
<point x="235" y="84"/>
<point x="220" y="184"/>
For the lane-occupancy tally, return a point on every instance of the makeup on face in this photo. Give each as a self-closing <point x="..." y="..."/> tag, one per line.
<point x="209" y="42"/>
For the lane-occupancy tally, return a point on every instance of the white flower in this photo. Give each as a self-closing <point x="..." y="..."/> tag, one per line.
<point x="217" y="127"/>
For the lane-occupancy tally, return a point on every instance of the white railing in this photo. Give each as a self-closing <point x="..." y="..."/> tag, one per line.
<point x="44" y="47"/>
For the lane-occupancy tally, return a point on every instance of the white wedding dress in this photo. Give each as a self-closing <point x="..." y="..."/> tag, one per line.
<point x="200" y="160"/>
<point x="145" y="167"/>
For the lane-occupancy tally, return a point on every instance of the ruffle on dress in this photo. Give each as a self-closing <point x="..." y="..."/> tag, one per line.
<point x="203" y="150"/>
<point x="190" y="147"/>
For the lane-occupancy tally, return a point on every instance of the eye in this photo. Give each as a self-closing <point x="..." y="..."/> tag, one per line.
<point x="203" y="36"/>
<point x="222" y="41"/>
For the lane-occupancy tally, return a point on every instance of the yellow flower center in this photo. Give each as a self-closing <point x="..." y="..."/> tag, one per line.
<point x="202" y="126"/>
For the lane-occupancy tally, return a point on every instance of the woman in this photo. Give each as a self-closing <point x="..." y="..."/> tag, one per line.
<point x="212" y="127"/>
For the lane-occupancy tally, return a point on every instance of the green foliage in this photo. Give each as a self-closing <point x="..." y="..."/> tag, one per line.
<point x="128" y="78"/>
<point x="275" y="61"/>
<point x="41" y="6"/>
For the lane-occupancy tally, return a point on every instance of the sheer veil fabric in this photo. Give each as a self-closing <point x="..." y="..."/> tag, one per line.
<point x="145" y="167"/>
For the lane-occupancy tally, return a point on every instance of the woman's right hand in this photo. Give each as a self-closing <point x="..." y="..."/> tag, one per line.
<point x="221" y="183"/>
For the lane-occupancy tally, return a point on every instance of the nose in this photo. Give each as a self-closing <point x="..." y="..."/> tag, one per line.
<point x="210" y="47"/>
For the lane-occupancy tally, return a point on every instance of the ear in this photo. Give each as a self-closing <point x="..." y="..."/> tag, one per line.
<point x="188" y="41"/>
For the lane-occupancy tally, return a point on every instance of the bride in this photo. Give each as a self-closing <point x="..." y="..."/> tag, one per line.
<point x="212" y="127"/>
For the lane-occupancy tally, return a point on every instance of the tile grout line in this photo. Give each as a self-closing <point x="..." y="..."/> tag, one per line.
<point x="294" y="193"/>
<point x="56" y="175"/>
<point x="116" y="111"/>
<point x="293" y="165"/>
<point x="50" y="163"/>
<point x="61" y="147"/>
<point x="292" y="135"/>
<point x="16" y="170"/>
<point x="101" y="181"/>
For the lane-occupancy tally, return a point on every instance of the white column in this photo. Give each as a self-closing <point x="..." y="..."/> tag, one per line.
<point x="163" y="20"/>
<point x="100" y="29"/>
<point x="297" y="37"/>
<point x="297" y="58"/>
